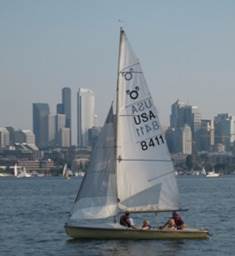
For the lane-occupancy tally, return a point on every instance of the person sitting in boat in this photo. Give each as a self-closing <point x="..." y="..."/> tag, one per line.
<point x="174" y="223"/>
<point x="126" y="221"/>
<point x="179" y="223"/>
<point x="146" y="225"/>
<point x="169" y="225"/>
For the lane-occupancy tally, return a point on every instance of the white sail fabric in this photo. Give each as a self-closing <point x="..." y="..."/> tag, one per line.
<point x="97" y="198"/>
<point x="145" y="175"/>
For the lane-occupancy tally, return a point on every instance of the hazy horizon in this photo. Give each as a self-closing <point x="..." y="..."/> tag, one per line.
<point x="186" y="49"/>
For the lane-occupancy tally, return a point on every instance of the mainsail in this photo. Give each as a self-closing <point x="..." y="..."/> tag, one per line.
<point x="130" y="167"/>
<point x="145" y="174"/>
<point x="97" y="198"/>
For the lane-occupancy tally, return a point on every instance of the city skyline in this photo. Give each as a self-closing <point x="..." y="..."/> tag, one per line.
<point x="186" y="49"/>
<point x="188" y="132"/>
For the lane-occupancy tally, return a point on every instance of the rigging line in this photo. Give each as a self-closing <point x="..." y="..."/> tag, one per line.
<point x="143" y="160"/>
<point x="160" y="176"/>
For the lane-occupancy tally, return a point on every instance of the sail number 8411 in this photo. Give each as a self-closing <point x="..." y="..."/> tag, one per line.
<point x="152" y="142"/>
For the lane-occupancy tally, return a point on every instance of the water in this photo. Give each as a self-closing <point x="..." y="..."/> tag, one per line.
<point x="33" y="212"/>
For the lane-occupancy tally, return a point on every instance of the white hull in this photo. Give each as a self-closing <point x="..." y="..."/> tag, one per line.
<point x="4" y="175"/>
<point x="212" y="175"/>
<point x="133" y="234"/>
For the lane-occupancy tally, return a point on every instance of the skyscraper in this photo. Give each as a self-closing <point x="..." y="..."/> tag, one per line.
<point x="66" y="102"/>
<point x="60" y="120"/>
<point x="40" y="123"/>
<point x="181" y="115"/>
<point x="224" y="129"/>
<point x="205" y="135"/>
<point x="59" y="108"/>
<point x="52" y="130"/>
<point x="63" y="137"/>
<point x="4" y="137"/>
<point x="27" y="136"/>
<point x="85" y="115"/>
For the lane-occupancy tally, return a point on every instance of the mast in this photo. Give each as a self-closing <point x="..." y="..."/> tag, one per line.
<point x="117" y="105"/>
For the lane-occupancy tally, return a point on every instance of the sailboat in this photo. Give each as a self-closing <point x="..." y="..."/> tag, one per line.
<point x="130" y="168"/>
<point x="21" y="173"/>
<point x="67" y="173"/>
<point x="203" y="172"/>
<point x="213" y="174"/>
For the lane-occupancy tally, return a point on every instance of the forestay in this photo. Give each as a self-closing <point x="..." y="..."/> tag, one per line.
<point x="97" y="198"/>
<point x="145" y="174"/>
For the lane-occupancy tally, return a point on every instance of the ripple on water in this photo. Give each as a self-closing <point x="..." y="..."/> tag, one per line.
<point x="33" y="213"/>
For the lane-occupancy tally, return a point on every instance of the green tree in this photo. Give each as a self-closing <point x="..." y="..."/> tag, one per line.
<point x="189" y="162"/>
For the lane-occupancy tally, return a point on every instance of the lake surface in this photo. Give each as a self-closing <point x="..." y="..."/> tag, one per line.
<point x="33" y="212"/>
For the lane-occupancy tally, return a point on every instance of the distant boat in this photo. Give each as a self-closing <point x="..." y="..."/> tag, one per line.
<point x="130" y="168"/>
<point x="5" y="174"/>
<point x="213" y="174"/>
<point x="195" y="173"/>
<point x="203" y="172"/>
<point x="79" y="174"/>
<point x="67" y="173"/>
<point x="21" y="173"/>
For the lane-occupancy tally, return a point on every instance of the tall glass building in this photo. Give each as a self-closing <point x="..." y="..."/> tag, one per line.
<point x="66" y="105"/>
<point x="40" y="123"/>
<point x="85" y="115"/>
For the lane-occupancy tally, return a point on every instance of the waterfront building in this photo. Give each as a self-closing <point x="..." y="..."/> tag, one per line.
<point x="4" y="137"/>
<point x="24" y="136"/>
<point x="186" y="140"/>
<point x="85" y="115"/>
<point x="205" y="136"/>
<point x="179" y="140"/>
<point x="224" y="130"/>
<point x="181" y="115"/>
<point x="40" y="123"/>
<point x="29" y="136"/>
<point x="11" y="131"/>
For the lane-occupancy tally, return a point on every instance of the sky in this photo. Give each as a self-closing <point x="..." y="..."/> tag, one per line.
<point x="186" y="49"/>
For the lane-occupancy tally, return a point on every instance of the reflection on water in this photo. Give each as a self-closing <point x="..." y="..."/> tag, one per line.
<point x="124" y="248"/>
<point x="33" y="212"/>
